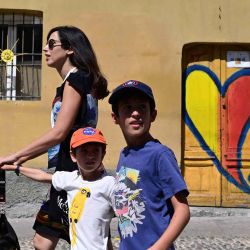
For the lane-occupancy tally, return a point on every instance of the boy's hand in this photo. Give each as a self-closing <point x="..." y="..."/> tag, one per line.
<point x="8" y="167"/>
<point x="179" y="220"/>
<point x="156" y="246"/>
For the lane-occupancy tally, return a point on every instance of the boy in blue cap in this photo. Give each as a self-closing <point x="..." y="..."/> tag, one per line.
<point x="150" y="194"/>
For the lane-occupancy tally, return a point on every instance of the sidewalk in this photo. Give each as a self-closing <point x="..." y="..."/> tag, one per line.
<point x="209" y="228"/>
<point x="223" y="232"/>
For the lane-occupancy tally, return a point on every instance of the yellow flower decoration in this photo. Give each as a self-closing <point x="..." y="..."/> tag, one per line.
<point x="7" y="55"/>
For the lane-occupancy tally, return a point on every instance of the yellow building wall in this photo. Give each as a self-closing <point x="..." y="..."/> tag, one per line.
<point x="141" y="40"/>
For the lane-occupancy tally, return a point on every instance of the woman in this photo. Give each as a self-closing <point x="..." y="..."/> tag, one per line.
<point x="69" y="51"/>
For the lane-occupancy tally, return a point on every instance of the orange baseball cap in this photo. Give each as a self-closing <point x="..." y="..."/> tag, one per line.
<point x="85" y="135"/>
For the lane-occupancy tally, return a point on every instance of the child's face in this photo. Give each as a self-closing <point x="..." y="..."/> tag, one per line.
<point x="134" y="118"/>
<point x="89" y="156"/>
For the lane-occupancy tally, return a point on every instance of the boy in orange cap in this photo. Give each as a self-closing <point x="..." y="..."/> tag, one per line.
<point x="89" y="189"/>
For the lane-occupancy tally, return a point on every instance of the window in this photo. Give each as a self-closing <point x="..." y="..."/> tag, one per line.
<point x="21" y="54"/>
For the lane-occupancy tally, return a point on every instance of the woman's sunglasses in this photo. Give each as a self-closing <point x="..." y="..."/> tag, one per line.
<point x="52" y="44"/>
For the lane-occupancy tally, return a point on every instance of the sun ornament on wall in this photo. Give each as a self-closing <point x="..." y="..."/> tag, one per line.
<point x="9" y="72"/>
<point x="8" y="55"/>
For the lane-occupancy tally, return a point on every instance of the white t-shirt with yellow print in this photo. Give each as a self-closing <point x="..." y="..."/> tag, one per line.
<point x="90" y="209"/>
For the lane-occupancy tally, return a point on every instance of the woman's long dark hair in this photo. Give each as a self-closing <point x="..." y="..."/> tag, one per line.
<point x="84" y="57"/>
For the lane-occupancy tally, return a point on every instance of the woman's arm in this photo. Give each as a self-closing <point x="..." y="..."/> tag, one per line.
<point x="32" y="173"/>
<point x="179" y="220"/>
<point x="65" y="120"/>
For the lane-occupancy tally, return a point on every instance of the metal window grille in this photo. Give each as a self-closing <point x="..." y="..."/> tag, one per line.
<point x="20" y="71"/>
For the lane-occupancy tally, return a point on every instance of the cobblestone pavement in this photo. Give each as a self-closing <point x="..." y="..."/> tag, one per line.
<point x="213" y="243"/>
<point x="202" y="233"/>
<point x="187" y="243"/>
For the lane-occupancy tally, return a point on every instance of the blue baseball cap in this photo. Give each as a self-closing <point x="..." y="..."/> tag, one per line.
<point x="130" y="86"/>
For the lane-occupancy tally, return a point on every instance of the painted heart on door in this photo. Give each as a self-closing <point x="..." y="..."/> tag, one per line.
<point x="203" y="90"/>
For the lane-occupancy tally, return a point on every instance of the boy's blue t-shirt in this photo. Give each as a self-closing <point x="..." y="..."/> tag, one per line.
<point x="147" y="177"/>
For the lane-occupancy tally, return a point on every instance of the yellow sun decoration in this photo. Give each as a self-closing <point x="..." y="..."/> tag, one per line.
<point x="7" y="55"/>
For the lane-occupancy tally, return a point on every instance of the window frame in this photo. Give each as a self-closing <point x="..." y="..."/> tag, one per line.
<point x="21" y="77"/>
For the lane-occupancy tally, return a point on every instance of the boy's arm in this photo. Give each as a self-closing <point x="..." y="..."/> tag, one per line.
<point x="179" y="220"/>
<point x="33" y="173"/>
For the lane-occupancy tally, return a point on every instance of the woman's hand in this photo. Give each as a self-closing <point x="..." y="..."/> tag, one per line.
<point x="10" y="159"/>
